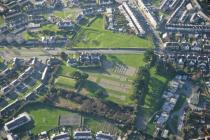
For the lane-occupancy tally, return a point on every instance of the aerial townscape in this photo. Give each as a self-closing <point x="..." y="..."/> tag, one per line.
<point x="104" y="69"/>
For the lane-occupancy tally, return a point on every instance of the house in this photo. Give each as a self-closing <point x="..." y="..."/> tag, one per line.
<point x="17" y="122"/>
<point x="11" y="107"/>
<point x="165" y="133"/>
<point x="103" y="136"/>
<point x="12" y="137"/>
<point x="206" y="48"/>
<point x="61" y="136"/>
<point x="43" y="136"/>
<point x="66" y="25"/>
<point x="6" y="90"/>
<point x="45" y="74"/>
<point x="82" y="135"/>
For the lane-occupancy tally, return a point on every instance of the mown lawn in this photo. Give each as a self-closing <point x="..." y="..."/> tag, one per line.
<point x="47" y="117"/>
<point x="132" y="60"/>
<point x="68" y="12"/>
<point x="95" y="36"/>
<point x="50" y="27"/>
<point x="65" y="82"/>
<point x="96" y="124"/>
<point x="65" y="70"/>
<point x="1" y="21"/>
<point x="153" y="100"/>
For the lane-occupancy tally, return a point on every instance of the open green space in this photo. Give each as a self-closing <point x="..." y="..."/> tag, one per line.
<point x="1" y="21"/>
<point x="92" y="85"/>
<point x="46" y="117"/>
<point x="95" y="125"/>
<point x="153" y="100"/>
<point x="67" y="12"/>
<point x="95" y="36"/>
<point x="65" y="70"/>
<point x="50" y="27"/>
<point x="65" y="82"/>
<point x="156" y="2"/>
<point x="132" y="60"/>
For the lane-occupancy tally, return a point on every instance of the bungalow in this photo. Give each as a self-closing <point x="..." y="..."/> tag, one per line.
<point x="82" y="135"/>
<point x="9" y="108"/>
<point x="206" y="48"/>
<point x="45" y="74"/>
<point x="17" y="122"/>
<point x="61" y="136"/>
<point x="66" y="25"/>
<point x="26" y="74"/>
<point x="7" y="89"/>
<point x="79" y="19"/>
<point x="30" y="96"/>
<point x="43" y="136"/>
<point x="104" y="136"/>
<point x="162" y="119"/>
<point x="12" y="137"/>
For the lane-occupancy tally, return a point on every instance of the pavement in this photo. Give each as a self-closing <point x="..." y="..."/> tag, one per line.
<point x="43" y="54"/>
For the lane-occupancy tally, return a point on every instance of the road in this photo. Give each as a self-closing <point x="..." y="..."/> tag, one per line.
<point x="43" y="54"/>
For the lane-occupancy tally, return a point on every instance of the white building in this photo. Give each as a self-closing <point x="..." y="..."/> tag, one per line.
<point x="147" y="14"/>
<point x="17" y="122"/>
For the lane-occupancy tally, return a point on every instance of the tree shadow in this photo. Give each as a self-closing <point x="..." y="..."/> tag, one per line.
<point x="92" y="87"/>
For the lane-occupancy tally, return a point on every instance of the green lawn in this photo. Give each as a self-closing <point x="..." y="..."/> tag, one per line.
<point x="68" y="12"/>
<point x="65" y="70"/>
<point x="95" y="36"/>
<point x="65" y="82"/>
<point x="153" y="100"/>
<point x="95" y="125"/>
<point x="156" y="2"/>
<point x="46" y="117"/>
<point x="133" y="60"/>
<point x="1" y="21"/>
<point x="28" y="36"/>
<point x="50" y="27"/>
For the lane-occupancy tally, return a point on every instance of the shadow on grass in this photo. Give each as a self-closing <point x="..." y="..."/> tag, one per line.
<point x="92" y="87"/>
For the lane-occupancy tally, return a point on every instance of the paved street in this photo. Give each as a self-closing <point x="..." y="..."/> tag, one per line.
<point x="43" y="54"/>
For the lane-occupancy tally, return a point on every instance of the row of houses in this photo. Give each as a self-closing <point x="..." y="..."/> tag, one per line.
<point x="45" y="74"/>
<point x="17" y="122"/>
<point x="77" y="135"/>
<point x="147" y="13"/>
<point x="191" y="61"/>
<point x="171" y="96"/>
<point x="133" y="21"/>
<point x="51" y="41"/>
<point x="85" y="59"/>
<point x="185" y="46"/>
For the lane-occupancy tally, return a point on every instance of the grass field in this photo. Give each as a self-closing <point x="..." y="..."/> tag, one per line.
<point x="68" y="12"/>
<point x="95" y="125"/>
<point x="93" y="84"/>
<point x="46" y="117"/>
<point x="153" y="100"/>
<point x="95" y="36"/>
<point x="65" y="70"/>
<point x="65" y="82"/>
<point x="134" y="60"/>
<point x="1" y="21"/>
<point x="156" y="2"/>
<point x="50" y="27"/>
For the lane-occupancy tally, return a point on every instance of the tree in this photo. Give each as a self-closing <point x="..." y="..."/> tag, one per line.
<point x="84" y="76"/>
<point x="149" y="56"/>
<point x="100" y="93"/>
<point x="64" y="56"/>
<point x="76" y="75"/>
